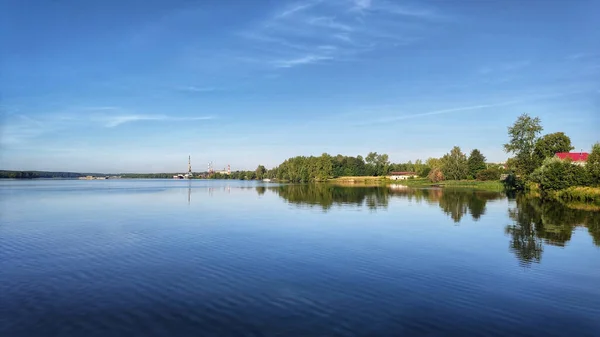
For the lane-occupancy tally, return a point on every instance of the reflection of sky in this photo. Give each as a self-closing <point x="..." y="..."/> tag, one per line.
<point x="406" y="223"/>
<point x="141" y="240"/>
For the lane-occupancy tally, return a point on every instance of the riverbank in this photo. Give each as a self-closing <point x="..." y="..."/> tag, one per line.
<point x="494" y="186"/>
<point x="584" y="198"/>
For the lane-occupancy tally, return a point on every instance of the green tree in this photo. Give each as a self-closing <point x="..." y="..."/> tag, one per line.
<point x="455" y="165"/>
<point x="523" y="135"/>
<point x="476" y="163"/>
<point x="593" y="165"/>
<point x="433" y="163"/>
<point x="260" y="172"/>
<point x="491" y="173"/>
<point x="549" y="145"/>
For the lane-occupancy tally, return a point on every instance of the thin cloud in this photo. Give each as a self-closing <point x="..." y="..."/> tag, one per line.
<point x="362" y="4"/>
<point x="468" y="108"/>
<point x="295" y="35"/>
<point x="191" y="88"/>
<point x="296" y="8"/>
<point x="308" y="59"/>
<point x="113" y="121"/>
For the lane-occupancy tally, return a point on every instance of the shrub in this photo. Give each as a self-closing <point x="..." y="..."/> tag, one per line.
<point x="436" y="175"/>
<point x="513" y="183"/>
<point x="489" y="174"/>
<point x="557" y="175"/>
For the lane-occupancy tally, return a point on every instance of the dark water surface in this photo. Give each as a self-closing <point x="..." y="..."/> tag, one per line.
<point x="220" y="258"/>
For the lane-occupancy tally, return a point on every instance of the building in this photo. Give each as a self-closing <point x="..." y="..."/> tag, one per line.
<point x="578" y="158"/>
<point x="402" y="175"/>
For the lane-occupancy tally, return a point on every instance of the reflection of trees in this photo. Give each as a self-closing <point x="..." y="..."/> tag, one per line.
<point x="537" y="223"/>
<point x="261" y="190"/>
<point x="455" y="203"/>
<point x="327" y="195"/>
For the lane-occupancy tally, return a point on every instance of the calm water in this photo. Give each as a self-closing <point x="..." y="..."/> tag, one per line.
<point x="219" y="258"/>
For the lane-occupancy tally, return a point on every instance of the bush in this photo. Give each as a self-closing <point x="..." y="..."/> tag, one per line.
<point x="436" y="175"/>
<point x="488" y="174"/>
<point x="557" y="175"/>
<point x="513" y="183"/>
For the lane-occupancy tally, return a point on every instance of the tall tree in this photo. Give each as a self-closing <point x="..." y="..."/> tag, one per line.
<point x="476" y="163"/>
<point x="455" y="165"/>
<point x="550" y="144"/>
<point x="260" y="172"/>
<point x="593" y="165"/>
<point x="523" y="135"/>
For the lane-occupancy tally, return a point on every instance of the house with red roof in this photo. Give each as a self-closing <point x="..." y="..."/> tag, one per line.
<point x="578" y="158"/>
<point x="402" y="175"/>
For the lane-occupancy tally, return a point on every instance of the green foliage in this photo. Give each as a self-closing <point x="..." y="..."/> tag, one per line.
<point x="424" y="172"/>
<point x="550" y="144"/>
<point x="581" y="194"/>
<point x="455" y="165"/>
<point x="523" y="137"/>
<point x="377" y="164"/>
<point x="557" y="174"/>
<point x="433" y="163"/>
<point x="260" y="172"/>
<point x="593" y="165"/>
<point x="348" y="166"/>
<point x="476" y="162"/>
<point x="489" y="174"/>
<point x="513" y="183"/>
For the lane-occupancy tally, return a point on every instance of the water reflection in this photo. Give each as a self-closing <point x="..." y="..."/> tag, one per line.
<point x="455" y="203"/>
<point x="536" y="223"/>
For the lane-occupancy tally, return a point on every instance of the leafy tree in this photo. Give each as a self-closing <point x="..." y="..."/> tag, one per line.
<point x="260" y="172"/>
<point x="556" y="174"/>
<point x="550" y="144"/>
<point x="476" y="162"/>
<point x="455" y="165"/>
<point x="433" y="163"/>
<point x="523" y="136"/>
<point x="488" y="174"/>
<point x="593" y="165"/>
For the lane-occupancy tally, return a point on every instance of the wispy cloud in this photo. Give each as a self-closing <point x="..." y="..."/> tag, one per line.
<point x="308" y="59"/>
<point x="362" y="4"/>
<point x="296" y="34"/>
<point x="113" y="121"/>
<point x="18" y="128"/>
<point x="468" y="108"/>
<point x="296" y="8"/>
<point x="191" y="88"/>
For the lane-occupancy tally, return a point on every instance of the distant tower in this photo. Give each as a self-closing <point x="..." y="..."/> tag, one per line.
<point x="190" y="164"/>
<point x="228" y="169"/>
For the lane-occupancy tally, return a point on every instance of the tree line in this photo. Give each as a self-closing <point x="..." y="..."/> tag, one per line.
<point x="4" y="174"/>
<point x="301" y="169"/>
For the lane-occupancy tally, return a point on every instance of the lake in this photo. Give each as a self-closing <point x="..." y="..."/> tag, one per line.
<point x="231" y="258"/>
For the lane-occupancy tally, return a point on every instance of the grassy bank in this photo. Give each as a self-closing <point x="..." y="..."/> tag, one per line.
<point x="359" y="180"/>
<point x="577" y="195"/>
<point x="495" y="186"/>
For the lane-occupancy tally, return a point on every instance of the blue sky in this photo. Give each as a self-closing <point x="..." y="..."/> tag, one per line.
<point x="136" y="86"/>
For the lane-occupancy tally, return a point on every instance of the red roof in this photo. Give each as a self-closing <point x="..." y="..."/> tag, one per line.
<point x="403" y="173"/>
<point x="575" y="156"/>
